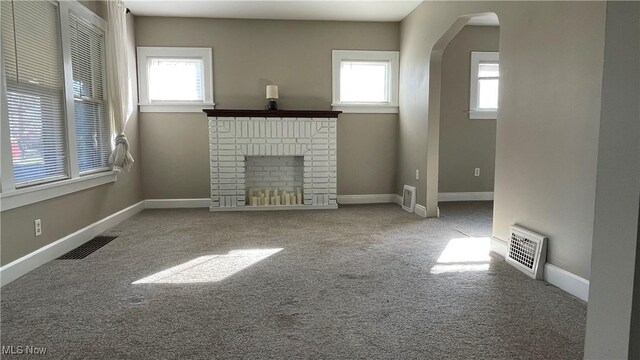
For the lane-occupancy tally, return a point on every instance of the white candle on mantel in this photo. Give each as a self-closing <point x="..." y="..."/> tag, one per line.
<point x="254" y="201"/>
<point x="293" y="199"/>
<point x="288" y="199"/>
<point x="272" y="91"/>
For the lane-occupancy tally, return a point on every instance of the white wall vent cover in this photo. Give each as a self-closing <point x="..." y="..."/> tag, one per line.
<point x="527" y="251"/>
<point x="409" y="198"/>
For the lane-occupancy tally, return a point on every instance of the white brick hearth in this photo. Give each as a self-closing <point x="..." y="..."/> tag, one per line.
<point x="278" y="151"/>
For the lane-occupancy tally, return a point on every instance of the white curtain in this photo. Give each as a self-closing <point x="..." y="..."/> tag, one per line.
<point x="118" y="84"/>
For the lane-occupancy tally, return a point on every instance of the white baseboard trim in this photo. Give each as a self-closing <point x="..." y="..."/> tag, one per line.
<point x="31" y="261"/>
<point x="420" y="210"/>
<point x="366" y="199"/>
<point x="177" y="203"/>
<point x="569" y="282"/>
<point x="465" y="196"/>
<point x="498" y="246"/>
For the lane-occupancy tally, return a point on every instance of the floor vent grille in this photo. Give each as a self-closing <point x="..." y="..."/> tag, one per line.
<point x="527" y="251"/>
<point x="87" y="248"/>
<point x="409" y="198"/>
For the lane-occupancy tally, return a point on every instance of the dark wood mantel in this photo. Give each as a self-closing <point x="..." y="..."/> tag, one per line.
<point x="272" y="113"/>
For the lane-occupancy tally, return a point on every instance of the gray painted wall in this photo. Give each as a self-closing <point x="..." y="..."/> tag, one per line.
<point x="634" y="339"/>
<point x="615" y="233"/>
<point x="465" y="144"/>
<point x="64" y="215"/>
<point x="248" y="55"/>
<point x="547" y="128"/>
<point x="97" y="6"/>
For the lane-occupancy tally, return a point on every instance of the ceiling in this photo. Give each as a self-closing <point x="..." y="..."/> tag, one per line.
<point x="340" y="10"/>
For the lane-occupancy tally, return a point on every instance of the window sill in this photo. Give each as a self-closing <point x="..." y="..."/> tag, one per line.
<point x="478" y="114"/>
<point x="365" y="109"/>
<point x="33" y="194"/>
<point x="175" y="108"/>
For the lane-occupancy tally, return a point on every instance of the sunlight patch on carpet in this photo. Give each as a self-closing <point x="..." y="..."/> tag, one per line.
<point x="464" y="254"/>
<point x="453" y="268"/>
<point x="210" y="268"/>
<point x="466" y="250"/>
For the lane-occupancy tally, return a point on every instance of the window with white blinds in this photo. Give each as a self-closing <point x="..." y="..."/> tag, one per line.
<point x="32" y="53"/>
<point x="92" y="127"/>
<point x="175" y="79"/>
<point x="54" y="95"/>
<point x="484" y="84"/>
<point x="365" y="81"/>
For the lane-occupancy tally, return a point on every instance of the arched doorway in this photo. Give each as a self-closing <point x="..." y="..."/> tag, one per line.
<point x="435" y="102"/>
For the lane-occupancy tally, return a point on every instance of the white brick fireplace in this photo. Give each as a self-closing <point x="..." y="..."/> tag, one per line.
<point x="273" y="152"/>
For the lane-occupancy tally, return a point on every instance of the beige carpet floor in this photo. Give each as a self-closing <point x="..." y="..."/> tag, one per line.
<point x="361" y="282"/>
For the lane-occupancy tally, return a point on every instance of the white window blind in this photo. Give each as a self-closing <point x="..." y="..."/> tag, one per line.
<point x="91" y="121"/>
<point x="364" y="82"/>
<point x="175" y="80"/>
<point x="32" y="53"/>
<point x="488" y="77"/>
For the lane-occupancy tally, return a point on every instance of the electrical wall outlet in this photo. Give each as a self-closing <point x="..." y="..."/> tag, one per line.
<point x="37" y="224"/>
<point x="476" y="172"/>
<point x="417" y="174"/>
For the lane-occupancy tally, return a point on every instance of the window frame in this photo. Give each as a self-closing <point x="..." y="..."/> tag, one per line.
<point x="12" y="197"/>
<point x="390" y="57"/>
<point x="476" y="58"/>
<point x="203" y="53"/>
<point x="93" y="19"/>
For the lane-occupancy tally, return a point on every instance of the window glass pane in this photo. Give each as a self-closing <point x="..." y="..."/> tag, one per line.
<point x="488" y="94"/>
<point x="364" y="82"/>
<point x="487" y="69"/>
<point x="92" y="136"/>
<point x="176" y="79"/>
<point x="34" y="91"/>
